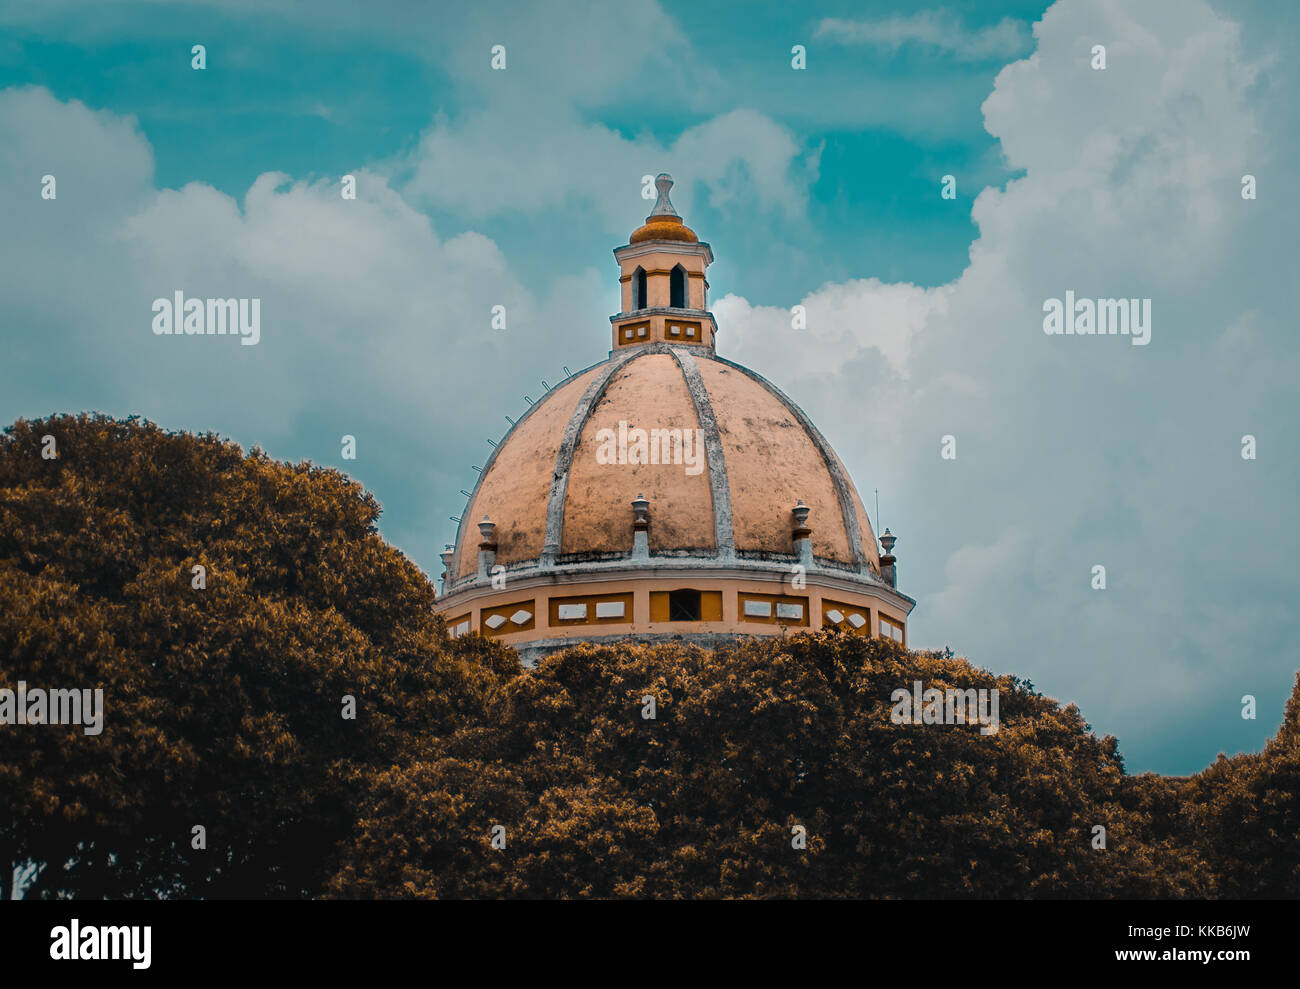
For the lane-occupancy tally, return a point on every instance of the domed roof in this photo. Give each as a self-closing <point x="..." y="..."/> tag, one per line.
<point x="663" y="223"/>
<point x="555" y="498"/>
<point x="663" y="228"/>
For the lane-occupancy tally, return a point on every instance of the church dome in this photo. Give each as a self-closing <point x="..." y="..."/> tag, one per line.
<point x="740" y="457"/>
<point x="665" y="493"/>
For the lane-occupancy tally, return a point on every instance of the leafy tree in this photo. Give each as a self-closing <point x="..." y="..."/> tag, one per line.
<point x="772" y="768"/>
<point x="1247" y="811"/>
<point x="749" y="742"/>
<point x="223" y="705"/>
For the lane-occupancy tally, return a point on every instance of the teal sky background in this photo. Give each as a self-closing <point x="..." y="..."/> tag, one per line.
<point x="817" y="187"/>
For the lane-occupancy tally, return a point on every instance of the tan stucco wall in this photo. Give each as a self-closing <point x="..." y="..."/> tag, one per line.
<point x="639" y="589"/>
<point x="658" y="329"/>
<point x="648" y="393"/>
<point x="514" y="491"/>
<point x="772" y="463"/>
<point x="657" y="265"/>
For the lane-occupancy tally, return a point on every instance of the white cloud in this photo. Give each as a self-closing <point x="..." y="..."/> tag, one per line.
<point x="372" y="324"/>
<point x="1076" y="451"/>
<point x="931" y="28"/>
<point x="841" y="318"/>
<point x="509" y="159"/>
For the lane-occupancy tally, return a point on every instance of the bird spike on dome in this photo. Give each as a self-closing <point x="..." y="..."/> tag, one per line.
<point x="664" y="222"/>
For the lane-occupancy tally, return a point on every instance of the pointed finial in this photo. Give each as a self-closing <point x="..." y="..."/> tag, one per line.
<point x="663" y="205"/>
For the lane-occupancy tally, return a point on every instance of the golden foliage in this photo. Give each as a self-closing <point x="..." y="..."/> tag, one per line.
<point x="464" y="776"/>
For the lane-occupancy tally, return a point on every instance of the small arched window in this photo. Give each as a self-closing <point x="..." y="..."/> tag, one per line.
<point x="638" y="289"/>
<point x="677" y="288"/>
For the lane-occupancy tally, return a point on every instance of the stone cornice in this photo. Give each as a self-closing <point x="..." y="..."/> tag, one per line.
<point x="472" y="588"/>
<point x="700" y="249"/>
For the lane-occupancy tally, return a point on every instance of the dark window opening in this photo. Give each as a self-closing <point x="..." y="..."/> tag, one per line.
<point x="638" y="289"/>
<point x="677" y="287"/>
<point x="683" y="606"/>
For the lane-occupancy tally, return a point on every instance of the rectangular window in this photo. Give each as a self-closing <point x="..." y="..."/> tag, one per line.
<point x="705" y="606"/>
<point x="683" y="606"/>
<point x="849" y="617"/>
<point x="604" y="609"/>
<point x="891" y="631"/>
<point x="506" y="618"/>
<point x="773" y="609"/>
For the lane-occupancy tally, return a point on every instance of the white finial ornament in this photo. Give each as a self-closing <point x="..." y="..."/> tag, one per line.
<point x="663" y="205"/>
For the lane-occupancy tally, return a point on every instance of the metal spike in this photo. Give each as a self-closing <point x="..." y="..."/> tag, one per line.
<point x="509" y="420"/>
<point x="528" y="400"/>
<point x="545" y="385"/>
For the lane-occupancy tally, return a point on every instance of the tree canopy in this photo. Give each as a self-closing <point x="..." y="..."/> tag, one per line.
<point x="770" y="767"/>
<point x="747" y="744"/>
<point x="223" y="704"/>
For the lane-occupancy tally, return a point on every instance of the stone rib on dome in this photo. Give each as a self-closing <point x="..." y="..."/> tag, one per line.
<point x="644" y="390"/>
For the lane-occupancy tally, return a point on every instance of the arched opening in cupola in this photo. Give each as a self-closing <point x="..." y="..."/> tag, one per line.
<point x="677" y="287"/>
<point x="638" y="289"/>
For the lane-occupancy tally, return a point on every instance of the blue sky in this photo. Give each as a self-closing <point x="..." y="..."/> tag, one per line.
<point x="817" y="187"/>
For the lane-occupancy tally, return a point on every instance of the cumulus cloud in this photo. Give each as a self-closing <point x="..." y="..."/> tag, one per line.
<point x="839" y="318"/>
<point x="1076" y="451"/>
<point x="935" y="29"/>
<point x="509" y="160"/>
<point x="372" y="324"/>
